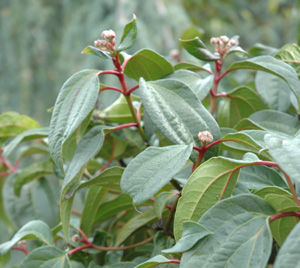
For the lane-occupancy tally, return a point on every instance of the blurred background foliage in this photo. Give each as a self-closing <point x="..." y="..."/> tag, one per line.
<point x="41" y="40"/>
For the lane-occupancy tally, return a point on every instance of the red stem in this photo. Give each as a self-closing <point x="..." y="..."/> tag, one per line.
<point x="111" y="88"/>
<point x="121" y="127"/>
<point x="284" y="214"/>
<point x="129" y="91"/>
<point x="110" y="72"/>
<point x="72" y="251"/>
<point x="23" y="249"/>
<point x="110" y="159"/>
<point x="223" y="74"/>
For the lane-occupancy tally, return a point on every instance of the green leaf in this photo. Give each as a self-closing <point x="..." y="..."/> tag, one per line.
<point x="118" y="112"/>
<point x="129" y="35"/>
<point x="32" y="172"/>
<point x="240" y="235"/>
<point x="274" y="91"/>
<point x="240" y="103"/>
<point x="290" y="53"/>
<point x="285" y="152"/>
<point x="135" y="223"/>
<point x="273" y="66"/>
<point x="36" y="230"/>
<point x="147" y="64"/>
<point x="191" y="67"/>
<point x="87" y="148"/>
<point x="192" y="233"/>
<point x="4" y="259"/>
<point x="197" y="48"/>
<point x="177" y="112"/>
<point x="74" y="103"/>
<point x="288" y="255"/>
<point x="211" y="181"/>
<point x="161" y="201"/>
<point x="29" y="134"/>
<point x="47" y="257"/>
<point x="96" y="52"/>
<point x="12" y="124"/>
<point x="200" y="86"/>
<point x="155" y="261"/>
<point x="152" y="169"/>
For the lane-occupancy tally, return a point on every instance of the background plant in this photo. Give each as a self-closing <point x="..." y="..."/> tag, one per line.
<point x="194" y="164"/>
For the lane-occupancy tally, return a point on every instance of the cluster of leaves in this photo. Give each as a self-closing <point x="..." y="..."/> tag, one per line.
<point x="136" y="185"/>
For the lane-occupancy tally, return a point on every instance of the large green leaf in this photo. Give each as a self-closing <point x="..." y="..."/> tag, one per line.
<point x="286" y="153"/>
<point x="197" y="48"/>
<point x="200" y="86"/>
<point x="32" y="172"/>
<point x="29" y="134"/>
<point x="177" y="112"/>
<point x="129" y="35"/>
<point x="152" y="169"/>
<point x="36" y="230"/>
<point x="274" y="91"/>
<point x="240" y="235"/>
<point x="204" y="188"/>
<point x="74" y="103"/>
<point x="12" y="124"/>
<point x="147" y="64"/>
<point x="273" y="66"/>
<point x="288" y="256"/>
<point x="47" y="257"/>
<point x="135" y="223"/>
<point x="87" y="148"/>
<point x="240" y="103"/>
<point x="290" y="53"/>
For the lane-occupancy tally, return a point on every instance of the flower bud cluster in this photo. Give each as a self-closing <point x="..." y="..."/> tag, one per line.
<point x="222" y="44"/>
<point x="205" y="137"/>
<point x="108" y="43"/>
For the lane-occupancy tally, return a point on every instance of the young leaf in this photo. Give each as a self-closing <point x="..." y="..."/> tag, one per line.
<point x="148" y="172"/>
<point x="147" y="64"/>
<point x="29" y="134"/>
<point x="290" y="53"/>
<point x="177" y="112"/>
<point x="197" y="48"/>
<point x="32" y="172"/>
<point x="212" y="180"/>
<point x="191" y="234"/>
<point x="36" y="230"/>
<point x="129" y="35"/>
<point x="239" y="103"/>
<point x="288" y="256"/>
<point x="240" y="235"/>
<point x="74" y="103"/>
<point x="96" y="51"/>
<point x="273" y="66"/>
<point x="47" y="257"/>
<point x="286" y="153"/>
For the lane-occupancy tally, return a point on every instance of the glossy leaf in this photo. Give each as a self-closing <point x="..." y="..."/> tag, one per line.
<point x="212" y="180"/>
<point x="96" y="52"/>
<point x="240" y="103"/>
<point x="152" y="169"/>
<point x="286" y="153"/>
<point x="147" y="64"/>
<point x="274" y="91"/>
<point x="36" y="230"/>
<point x="32" y="172"/>
<point x="129" y="35"/>
<point x="135" y="223"/>
<point x="87" y="148"/>
<point x="155" y="261"/>
<point x="273" y="66"/>
<point x="192" y="233"/>
<point x="197" y="48"/>
<point x="200" y="86"/>
<point x="74" y="103"/>
<point x="290" y="53"/>
<point x="177" y="112"/>
<point x="288" y="255"/>
<point x="47" y="257"/>
<point x="240" y="235"/>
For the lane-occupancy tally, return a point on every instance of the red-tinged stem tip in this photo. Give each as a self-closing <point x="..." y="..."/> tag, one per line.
<point x="284" y="214"/>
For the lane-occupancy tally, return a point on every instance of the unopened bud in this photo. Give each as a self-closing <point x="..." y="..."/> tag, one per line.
<point x="205" y="137"/>
<point x="75" y="238"/>
<point x="224" y="38"/>
<point x="232" y="42"/>
<point x="101" y="44"/>
<point x="108" y="34"/>
<point x="22" y="243"/>
<point x="214" y="40"/>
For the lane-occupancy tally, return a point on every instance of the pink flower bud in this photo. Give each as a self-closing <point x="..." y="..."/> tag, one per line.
<point x="205" y="137"/>
<point x="75" y="238"/>
<point x="101" y="44"/>
<point x="224" y="38"/>
<point x="108" y="34"/>
<point x="22" y="243"/>
<point x="232" y="42"/>
<point x="214" y="40"/>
